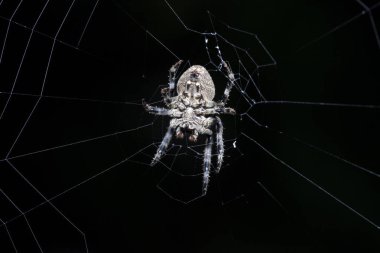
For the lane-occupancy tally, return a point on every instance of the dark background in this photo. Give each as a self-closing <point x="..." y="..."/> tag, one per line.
<point x="256" y="204"/>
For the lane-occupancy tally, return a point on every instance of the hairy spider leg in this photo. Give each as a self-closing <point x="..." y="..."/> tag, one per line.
<point x="163" y="146"/>
<point x="230" y="84"/>
<point x="172" y="74"/>
<point x="219" y="109"/>
<point x="210" y="108"/>
<point x="206" y="164"/>
<point x="157" y="110"/>
<point x="167" y="93"/>
<point x="219" y="143"/>
<point x="161" y="111"/>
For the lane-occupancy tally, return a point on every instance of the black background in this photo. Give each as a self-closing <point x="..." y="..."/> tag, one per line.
<point x="118" y="206"/>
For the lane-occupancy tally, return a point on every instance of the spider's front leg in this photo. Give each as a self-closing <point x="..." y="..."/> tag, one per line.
<point x="215" y="110"/>
<point x="230" y="84"/>
<point x="161" y="111"/>
<point x="167" y="93"/>
<point x="225" y="110"/>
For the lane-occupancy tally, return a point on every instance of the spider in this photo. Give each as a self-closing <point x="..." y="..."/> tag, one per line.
<point x="193" y="111"/>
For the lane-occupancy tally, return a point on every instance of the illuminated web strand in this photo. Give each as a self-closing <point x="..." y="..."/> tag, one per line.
<point x="272" y="102"/>
<point x="50" y="203"/>
<point x="23" y="215"/>
<point x="313" y="146"/>
<point x="35" y="106"/>
<point x="183" y="23"/>
<point x="331" y="31"/>
<point x="253" y="81"/>
<point x="44" y="79"/>
<point x="8" y="233"/>
<point x="36" y="31"/>
<point x="336" y="157"/>
<point x="51" y="38"/>
<point x="32" y="32"/>
<point x="170" y="167"/>
<point x="369" y="11"/>
<point x="278" y="202"/>
<point x="87" y="23"/>
<point x="283" y="102"/>
<point x="145" y="30"/>
<point x="237" y="76"/>
<point x="217" y="66"/>
<point x="317" y="104"/>
<point x="311" y="181"/>
<point x="75" y="99"/>
<point x="94" y="101"/>
<point x="348" y="21"/>
<point x="171" y="196"/>
<point x="7" y="31"/>
<point x="78" y="142"/>
<point x="175" y="158"/>
<point x="242" y="91"/>
<point x="198" y="32"/>
<point x="219" y="53"/>
<point x="216" y="40"/>
<point x="31" y="113"/>
<point x="162" y="44"/>
<point x="273" y="63"/>
<point x="176" y="155"/>
<point x="23" y="56"/>
<point x="53" y="46"/>
<point x="79" y="184"/>
<point x="216" y="35"/>
<point x="22" y="128"/>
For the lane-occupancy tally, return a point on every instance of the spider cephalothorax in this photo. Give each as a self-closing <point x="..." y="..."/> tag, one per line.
<point x="193" y="110"/>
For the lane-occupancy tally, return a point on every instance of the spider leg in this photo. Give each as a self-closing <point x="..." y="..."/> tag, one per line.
<point x="167" y="93"/>
<point x="172" y="74"/>
<point x="226" y="110"/>
<point x="230" y="84"/>
<point x="206" y="164"/>
<point x="216" y="111"/>
<point x="161" y="111"/>
<point x="163" y="146"/>
<point x="219" y="144"/>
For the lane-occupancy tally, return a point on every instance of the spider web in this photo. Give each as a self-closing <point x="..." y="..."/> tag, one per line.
<point x="76" y="144"/>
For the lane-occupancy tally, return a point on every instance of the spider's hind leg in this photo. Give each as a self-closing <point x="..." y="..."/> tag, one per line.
<point x="219" y="143"/>
<point x="163" y="146"/>
<point x="207" y="164"/>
